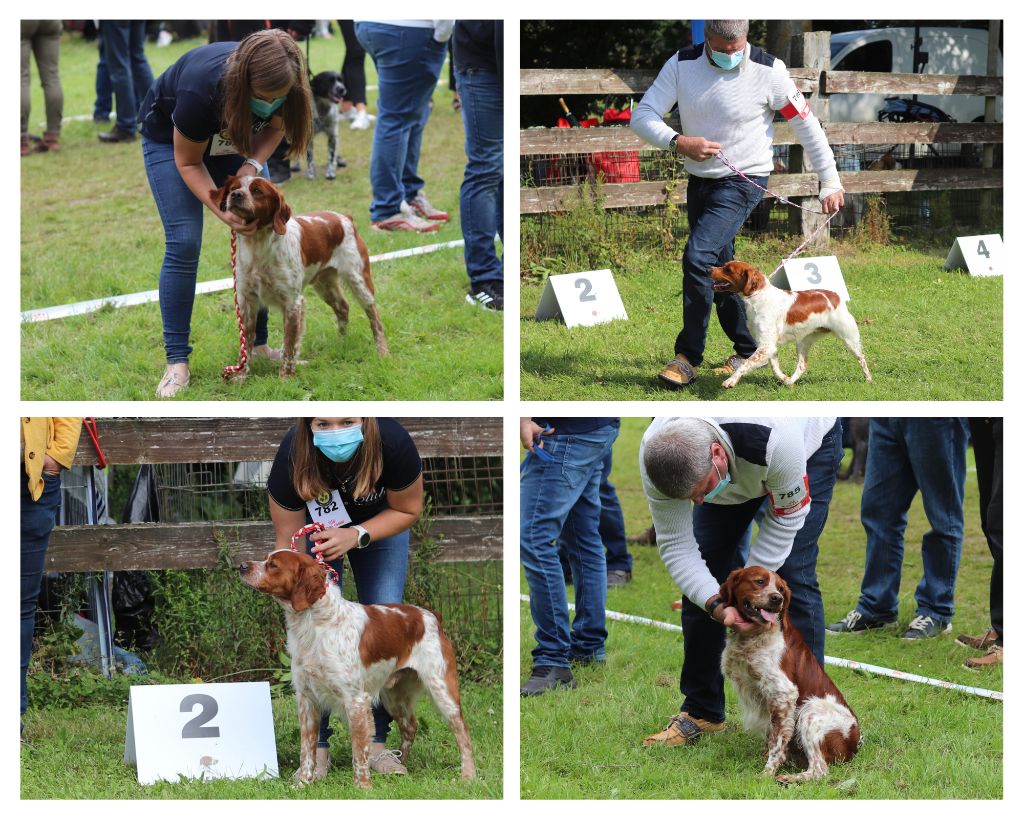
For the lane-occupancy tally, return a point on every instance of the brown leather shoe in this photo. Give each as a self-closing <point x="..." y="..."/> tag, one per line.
<point x="678" y="373"/>
<point x="730" y="365"/>
<point x="682" y="730"/>
<point x="994" y="656"/>
<point x="980" y="643"/>
<point x="49" y="142"/>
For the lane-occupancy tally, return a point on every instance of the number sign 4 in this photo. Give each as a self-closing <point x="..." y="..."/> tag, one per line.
<point x="980" y="255"/>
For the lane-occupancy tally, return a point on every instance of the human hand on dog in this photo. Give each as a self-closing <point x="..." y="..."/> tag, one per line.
<point x="236" y="222"/>
<point x="333" y="543"/>
<point x="730" y="617"/>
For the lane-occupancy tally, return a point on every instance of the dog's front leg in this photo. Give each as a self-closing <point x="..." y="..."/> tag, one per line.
<point x="359" y="721"/>
<point x="294" y="326"/>
<point x="783" y="722"/>
<point x="760" y="357"/>
<point x="310" y="168"/>
<point x="332" y="151"/>
<point x="309" y="726"/>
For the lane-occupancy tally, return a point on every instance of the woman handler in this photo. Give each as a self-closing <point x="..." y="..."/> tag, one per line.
<point x="221" y="109"/>
<point x="362" y="478"/>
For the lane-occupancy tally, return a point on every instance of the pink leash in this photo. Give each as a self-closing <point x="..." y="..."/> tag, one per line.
<point x="332" y="575"/>
<point x="243" y="352"/>
<point x="720" y="155"/>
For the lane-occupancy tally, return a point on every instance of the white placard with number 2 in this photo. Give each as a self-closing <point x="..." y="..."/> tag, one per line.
<point x="812" y="273"/>
<point x="581" y="299"/>
<point x="206" y="731"/>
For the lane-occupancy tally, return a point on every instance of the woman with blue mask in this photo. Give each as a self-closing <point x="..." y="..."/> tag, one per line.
<point x="221" y="109"/>
<point x="361" y="478"/>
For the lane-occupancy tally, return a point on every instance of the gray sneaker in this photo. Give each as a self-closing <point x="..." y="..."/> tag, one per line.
<point x="855" y="622"/>
<point x="924" y="626"/>
<point x="545" y="678"/>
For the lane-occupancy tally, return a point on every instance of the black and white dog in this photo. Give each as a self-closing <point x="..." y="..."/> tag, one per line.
<point x="328" y="91"/>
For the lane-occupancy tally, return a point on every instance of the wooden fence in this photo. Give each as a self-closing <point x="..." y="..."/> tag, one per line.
<point x="817" y="82"/>
<point x="210" y="440"/>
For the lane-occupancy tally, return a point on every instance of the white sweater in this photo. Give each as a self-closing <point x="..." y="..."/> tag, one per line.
<point x="733" y="108"/>
<point x="767" y="456"/>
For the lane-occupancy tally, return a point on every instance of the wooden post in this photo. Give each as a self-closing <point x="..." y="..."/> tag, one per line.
<point x="810" y="50"/>
<point x="988" y="155"/>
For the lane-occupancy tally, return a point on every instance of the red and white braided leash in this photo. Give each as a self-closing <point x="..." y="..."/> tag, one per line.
<point x="725" y="161"/>
<point x="332" y="574"/>
<point x="243" y="351"/>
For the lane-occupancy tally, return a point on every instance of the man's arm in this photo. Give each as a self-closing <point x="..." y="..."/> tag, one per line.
<point x="789" y="500"/>
<point x="647" y="120"/>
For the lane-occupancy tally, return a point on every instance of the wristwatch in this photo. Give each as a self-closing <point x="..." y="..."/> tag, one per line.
<point x="714" y="604"/>
<point x="364" y="537"/>
<point x="250" y="161"/>
<point x="672" y="143"/>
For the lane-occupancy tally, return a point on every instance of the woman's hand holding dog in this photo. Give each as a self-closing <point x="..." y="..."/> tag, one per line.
<point x="730" y="617"/>
<point x="333" y="543"/>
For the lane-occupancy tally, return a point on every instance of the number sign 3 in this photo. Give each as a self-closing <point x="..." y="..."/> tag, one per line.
<point x="813" y="273"/>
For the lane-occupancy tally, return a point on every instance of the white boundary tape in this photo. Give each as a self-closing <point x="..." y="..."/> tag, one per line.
<point x="79" y="308"/>
<point x="837" y="661"/>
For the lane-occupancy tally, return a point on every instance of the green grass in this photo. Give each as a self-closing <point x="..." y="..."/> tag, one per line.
<point x="928" y="334"/>
<point x="920" y="742"/>
<point x="90" y="229"/>
<point x="77" y="754"/>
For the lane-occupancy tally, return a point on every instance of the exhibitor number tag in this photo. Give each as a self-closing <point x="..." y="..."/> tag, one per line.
<point x="328" y="509"/>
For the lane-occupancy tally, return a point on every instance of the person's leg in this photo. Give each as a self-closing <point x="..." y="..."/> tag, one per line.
<point x="353" y="67"/>
<point x="889" y="489"/>
<point x="937" y="448"/>
<point x="423" y="81"/>
<point x="47" y="52"/>
<point x="716" y="211"/>
<point x="718" y="530"/>
<point x="28" y="28"/>
<point x="142" y="74"/>
<point x="104" y="92"/>
<point x="37" y="521"/>
<point x="806" y="610"/>
<point x="612" y="527"/>
<point x="117" y="41"/>
<point x="479" y="196"/>
<point x="995" y="531"/>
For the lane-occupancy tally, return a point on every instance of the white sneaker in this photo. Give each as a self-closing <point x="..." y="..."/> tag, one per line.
<point x="405" y="220"/>
<point x="361" y="121"/>
<point x="421" y="207"/>
<point x="348" y="115"/>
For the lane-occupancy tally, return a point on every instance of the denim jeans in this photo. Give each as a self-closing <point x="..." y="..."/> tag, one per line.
<point x="557" y="494"/>
<point x="483" y="187"/>
<point x="611" y="527"/>
<point x="379" y="571"/>
<point x="123" y="42"/>
<point x="716" y="210"/>
<point x="37" y="521"/>
<point x="408" y="62"/>
<point x="906" y="455"/>
<point x="182" y="217"/>
<point x="720" y="531"/>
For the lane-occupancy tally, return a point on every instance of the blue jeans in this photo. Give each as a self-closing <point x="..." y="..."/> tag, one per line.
<point x="906" y="455"/>
<point x="408" y="62"/>
<point x="123" y="42"/>
<point x="182" y="217"/>
<point x="720" y="531"/>
<point x="565" y="493"/>
<point x="37" y="521"/>
<point x="104" y="91"/>
<point x="611" y="528"/>
<point x="716" y="210"/>
<point x="483" y="188"/>
<point x="379" y="571"/>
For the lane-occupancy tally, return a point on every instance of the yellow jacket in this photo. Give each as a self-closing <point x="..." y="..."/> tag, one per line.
<point x="56" y="437"/>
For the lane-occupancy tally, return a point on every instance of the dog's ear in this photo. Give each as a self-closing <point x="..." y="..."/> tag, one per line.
<point x="220" y="195"/>
<point x="309" y="586"/>
<point x="783" y="588"/>
<point x="727" y="591"/>
<point x="753" y="280"/>
<point x="282" y="213"/>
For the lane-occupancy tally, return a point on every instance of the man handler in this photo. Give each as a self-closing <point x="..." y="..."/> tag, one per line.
<point x="705" y="479"/>
<point x="728" y="92"/>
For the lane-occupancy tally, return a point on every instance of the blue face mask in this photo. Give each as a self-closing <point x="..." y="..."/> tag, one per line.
<point x="727" y="61"/>
<point x="339" y="444"/>
<point x="264" y="109"/>
<point x="723" y="481"/>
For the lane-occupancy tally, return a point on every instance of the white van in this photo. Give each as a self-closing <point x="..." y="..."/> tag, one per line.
<point x="949" y="50"/>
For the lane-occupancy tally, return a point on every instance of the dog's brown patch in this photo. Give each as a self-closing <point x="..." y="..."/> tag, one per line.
<point x="392" y="632"/>
<point x="809" y="302"/>
<point x="322" y="233"/>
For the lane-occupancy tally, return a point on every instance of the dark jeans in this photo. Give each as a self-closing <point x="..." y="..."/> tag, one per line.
<point x="483" y="187"/>
<point x="716" y="210"/>
<point x="720" y="530"/>
<point x="611" y="528"/>
<point x="123" y="42"/>
<point x="987" y="436"/>
<point x="906" y="455"/>
<point x="182" y="217"/>
<point x="37" y="521"/>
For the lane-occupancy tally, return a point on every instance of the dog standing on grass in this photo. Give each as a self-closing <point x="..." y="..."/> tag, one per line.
<point x="328" y="90"/>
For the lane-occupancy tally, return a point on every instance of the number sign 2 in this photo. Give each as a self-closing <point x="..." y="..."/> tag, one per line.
<point x="581" y="299"/>
<point x="812" y="273"/>
<point x="980" y="255"/>
<point x="200" y="731"/>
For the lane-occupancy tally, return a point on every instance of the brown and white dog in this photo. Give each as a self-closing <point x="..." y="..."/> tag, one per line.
<point x="775" y="316"/>
<point x="286" y="254"/>
<point x="344" y="656"/>
<point x="782" y="689"/>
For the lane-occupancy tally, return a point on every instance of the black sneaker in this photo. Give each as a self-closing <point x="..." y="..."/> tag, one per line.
<point x="924" y="626"/>
<point x="115" y="134"/>
<point x="618" y="577"/>
<point x="855" y="622"/>
<point x="587" y="661"/>
<point x="545" y="678"/>
<point x="488" y="296"/>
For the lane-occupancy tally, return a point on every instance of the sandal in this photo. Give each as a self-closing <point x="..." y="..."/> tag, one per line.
<point x="678" y="373"/>
<point x="173" y="382"/>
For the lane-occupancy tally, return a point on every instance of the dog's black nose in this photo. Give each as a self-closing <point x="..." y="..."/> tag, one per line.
<point x="243" y="568"/>
<point x="775" y="598"/>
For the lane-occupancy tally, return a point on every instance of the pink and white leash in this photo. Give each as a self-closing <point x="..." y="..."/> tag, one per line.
<point x="725" y="161"/>
<point x="243" y="351"/>
<point x="332" y="574"/>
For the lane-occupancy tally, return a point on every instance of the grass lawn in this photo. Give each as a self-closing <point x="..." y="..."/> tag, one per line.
<point x="928" y="334"/>
<point x="77" y="754"/>
<point x="90" y="229"/>
<point x="920" y="742"/>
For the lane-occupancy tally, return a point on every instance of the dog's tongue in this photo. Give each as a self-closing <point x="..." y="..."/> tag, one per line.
<point x="769" y="616"/>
